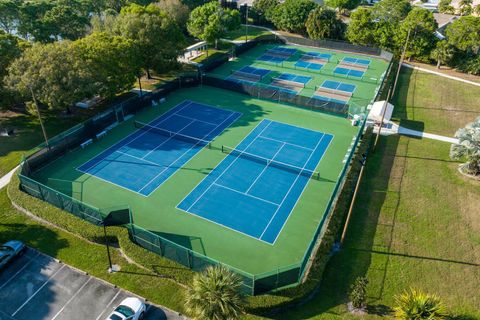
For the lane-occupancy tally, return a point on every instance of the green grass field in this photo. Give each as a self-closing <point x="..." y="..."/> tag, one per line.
<point x="158" y="214"/>
<point x="416" y="222"/>
<point x="253" y="33"/>
<point x="365" y="87"/>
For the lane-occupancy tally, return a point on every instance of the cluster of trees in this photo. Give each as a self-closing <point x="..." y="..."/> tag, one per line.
<point x="388" y="23"/>
<point x="465" y="7"/>
<point x="303" y="17"/>
<point x="119" y="48"/>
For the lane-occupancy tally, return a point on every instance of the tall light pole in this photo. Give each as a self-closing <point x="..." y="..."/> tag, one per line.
<point x="246" y="22"/>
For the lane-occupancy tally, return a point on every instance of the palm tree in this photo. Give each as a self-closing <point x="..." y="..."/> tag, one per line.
<point x="465" y="7"/>
<point x="477" y="9"/>
<point x="416" y="305"/>
<point x="215" y="295"/>
<point x="468" y="146"/>
<point x="442" y="53"/>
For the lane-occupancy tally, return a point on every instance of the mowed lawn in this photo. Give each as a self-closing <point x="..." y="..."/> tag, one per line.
<point x="416" y="222"/>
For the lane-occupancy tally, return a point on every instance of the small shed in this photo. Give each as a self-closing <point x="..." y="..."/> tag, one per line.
<point x="378" y="109"/>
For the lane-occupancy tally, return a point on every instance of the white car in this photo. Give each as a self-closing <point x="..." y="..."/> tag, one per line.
<point x="129" y="309"/>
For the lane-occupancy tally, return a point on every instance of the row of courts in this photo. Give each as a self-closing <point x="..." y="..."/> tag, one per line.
<point x="315" y="61"/>
<point x="329" y="90"/>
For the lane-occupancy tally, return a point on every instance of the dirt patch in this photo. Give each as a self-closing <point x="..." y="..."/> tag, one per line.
<point x="8" y="114"/>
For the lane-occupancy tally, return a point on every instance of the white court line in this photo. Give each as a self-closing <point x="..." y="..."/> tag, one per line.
<point x="20" y="270"/>
<point x="71" y="299"/>
<point x="190" y="118"/>
<point x="133" y="133"/>
<point x="291" y="187"/>
<point x="291" y="144"/>
<point x="141" y="159"/>
<point x="166" y="140"/>
<point x="228" y="167"/>
<point x="35" y="293"/>
<point x="265" y="168"/>
<point x="245" y="194"/>
<point x="180" y="157"/>
<point x="300" y="196"/>
<point x="108" y="305"/>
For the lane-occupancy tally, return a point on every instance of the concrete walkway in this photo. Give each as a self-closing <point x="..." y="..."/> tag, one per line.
<point x="441" y="74"/>
<point x="392" y="128"/>
<point x="6" y="178"/>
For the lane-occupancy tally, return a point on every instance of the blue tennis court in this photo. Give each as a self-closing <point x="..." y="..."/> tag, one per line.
<point x="256" y="187"/>
<point x="348" y="72"/>
<point x="145" y="159"/>
<point x="340" y="86"/>
<point x="290" y="51"/>
<point x="294" y="78"/>
<point x="253" y="70"/>
<point x="319" y="55"/>
<point x="272" y="59"/>
<point x="360" y="62"/>
<point x="309" y="65"/>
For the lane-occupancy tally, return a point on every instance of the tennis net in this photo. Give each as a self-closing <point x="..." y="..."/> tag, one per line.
<point x="321" y="89"/>
<point x="246" y="75"/>
<point x="171" y="134"/>
<point x="272" y="163"/>
<point x="287" y="83"/>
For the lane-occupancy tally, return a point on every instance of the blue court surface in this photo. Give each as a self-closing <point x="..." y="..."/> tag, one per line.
<point x="339" y="86"/>
<point x="348" y="72"/>
<point x="289" y="51"/>
<point x="256" y="187"/>
<point x="318" y="55"/>
<point x="309" y="65"/>
<point x="294" y="78"/>
<point x="272" y="59"/>
<point x="145" y="159"/>
<point x="256" y="71"/>
<point x="360" y="62"/>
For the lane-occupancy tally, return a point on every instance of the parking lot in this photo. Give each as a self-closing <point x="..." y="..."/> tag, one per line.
<point x="37" y="287"/>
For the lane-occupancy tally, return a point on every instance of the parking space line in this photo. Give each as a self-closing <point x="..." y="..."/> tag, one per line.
<point x="71" y="299"/>
<point x="108" y="305"/>
<point x="20" y="270"/>
<point x="38" y="290"/>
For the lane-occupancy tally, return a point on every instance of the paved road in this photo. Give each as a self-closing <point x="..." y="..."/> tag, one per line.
<point x="37" y="287"/>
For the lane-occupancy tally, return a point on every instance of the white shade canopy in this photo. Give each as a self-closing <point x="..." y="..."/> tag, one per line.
<point x="377" y="110"/>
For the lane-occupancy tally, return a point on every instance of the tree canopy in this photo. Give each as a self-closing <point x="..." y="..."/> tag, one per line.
<point x="111" y="61"/>
<point x="11" y="48"/>
<point x="53" y="72"/>
<point x="464" y="34"/>
<point x="361" y="27"/>
<point x="210" y="22"/>
<point x="157" y="38"/>
<point x="392" y="10"/>
<point x="323" y="23"/>
<point x="422" y="25"/>
<point x="343" y="4"/>
<point x="265" y="8"/>
<point x="292" y="15"/>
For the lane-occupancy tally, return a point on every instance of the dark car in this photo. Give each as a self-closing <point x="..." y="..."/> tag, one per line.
<point x="9" y="250"/>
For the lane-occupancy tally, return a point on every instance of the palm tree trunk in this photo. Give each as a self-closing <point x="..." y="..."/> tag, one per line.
<point x="438" y="64"/>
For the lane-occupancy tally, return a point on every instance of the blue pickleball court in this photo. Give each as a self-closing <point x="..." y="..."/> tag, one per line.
<point x="256" y="187"/>
<point x="348" y="72"/>
<point x="145" y="159"/>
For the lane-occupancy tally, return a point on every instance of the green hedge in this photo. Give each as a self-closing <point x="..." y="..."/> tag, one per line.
<point x="259" y="305"/>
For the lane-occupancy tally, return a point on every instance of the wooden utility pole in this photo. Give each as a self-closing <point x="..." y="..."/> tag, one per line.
<point x="40" y="118"/>
<point x="401" y="62"/>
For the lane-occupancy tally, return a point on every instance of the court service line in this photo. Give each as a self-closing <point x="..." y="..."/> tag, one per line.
<point x="123" y="142"/>
<point x="20" y="270"/>
<point x="71" y="299"/>
<point x="195" y="119"/>
<point x="291" y="187"/>
<point x="108" y="305"/>
<point x="265" y="168"/>
<point x="284" y="142"/>
<point x="135" y="157"/>
<point x="188" y="150"/>
<point x="38" y="290"/>
<point x="303" y="190"/>
<point x="228" y="167"/>
<point x="245" y="194"/>
<point x="166" y="140"/>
